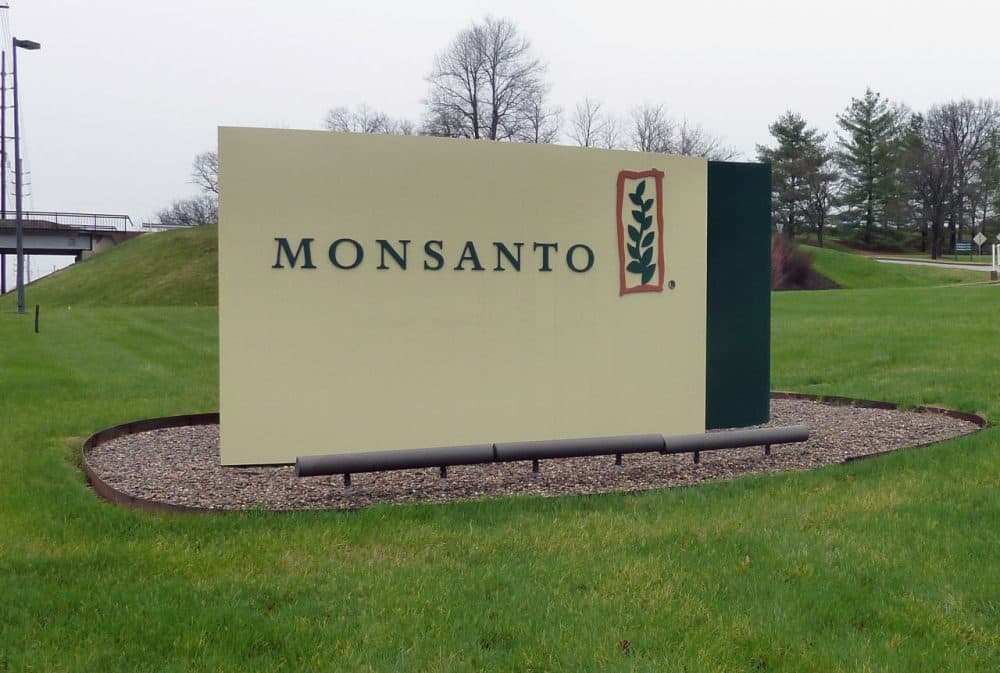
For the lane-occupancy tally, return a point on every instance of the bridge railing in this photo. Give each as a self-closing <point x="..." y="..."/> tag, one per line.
<point x="159" y="226"/>
<point x="93" y="221"/>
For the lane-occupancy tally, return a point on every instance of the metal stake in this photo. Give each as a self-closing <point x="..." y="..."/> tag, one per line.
<point x="697" y="457"/>
<point x="444" y="476"/>
<point x="347" y="484"/>
<point x="534" y="468"/>
<point x="767" y="449"/>
<point x="618" y="464"/>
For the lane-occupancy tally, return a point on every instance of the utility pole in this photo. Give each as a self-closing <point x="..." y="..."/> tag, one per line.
<point x="3" y="157"/>
<point x="3" y="133"/>
<point x="23" y="44"/>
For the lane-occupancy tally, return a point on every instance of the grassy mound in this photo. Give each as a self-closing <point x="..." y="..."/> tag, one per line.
<point x="852" y="271"/>
<point x="172" y="268"/>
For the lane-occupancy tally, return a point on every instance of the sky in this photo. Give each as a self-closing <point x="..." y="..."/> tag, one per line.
<point x="124" y="93"/>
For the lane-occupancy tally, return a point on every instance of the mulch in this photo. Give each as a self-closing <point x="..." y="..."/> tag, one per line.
<point x="179" y="467"/>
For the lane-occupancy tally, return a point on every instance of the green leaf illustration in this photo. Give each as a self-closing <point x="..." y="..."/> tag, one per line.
<point x="640" y="250"/>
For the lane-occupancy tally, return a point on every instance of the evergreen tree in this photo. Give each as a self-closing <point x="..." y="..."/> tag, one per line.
<point x="795" y="162"/>
<point x="871" y="144"/>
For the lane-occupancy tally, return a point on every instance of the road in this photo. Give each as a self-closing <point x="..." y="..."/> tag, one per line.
<point x="940" y="265"/>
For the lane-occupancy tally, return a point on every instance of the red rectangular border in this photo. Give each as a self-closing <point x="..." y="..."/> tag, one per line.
<point x="636" y="175"/>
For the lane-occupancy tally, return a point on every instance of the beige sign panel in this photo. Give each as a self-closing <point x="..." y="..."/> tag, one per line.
<point x="381" y="292"/>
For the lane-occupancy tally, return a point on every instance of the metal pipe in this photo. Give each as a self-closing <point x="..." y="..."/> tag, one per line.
<point x="405" y="459"/>
<point x="576" y="448"/>
<point x="735" y="439"/>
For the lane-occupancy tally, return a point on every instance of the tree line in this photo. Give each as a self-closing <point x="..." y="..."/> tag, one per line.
<point x="890" y="177"/>
<point x="488" y="85"/>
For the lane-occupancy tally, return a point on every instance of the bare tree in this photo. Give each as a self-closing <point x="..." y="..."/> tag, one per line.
<point x="652" y="130"/>
<point x="205" y="172"/>
<point x="364" y="119"/>
<point x="611" y="135"/>
<point x="405" y="127"/>
<point x="485" y="84"/>
<point x="457" y="87"/>
<point x="969" y="127"/>
<point x="694" y="141"/>
<point x="203" y="209"/>
<point x="541" y="122"/>
<point x="984" y="191"/>
<point x="821" y="182"/>
<point x="587" y="123"/>
<point x="930" y="171"/>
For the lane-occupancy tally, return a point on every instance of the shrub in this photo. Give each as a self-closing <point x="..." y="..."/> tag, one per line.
<point x="791" y="267"/>
<point x="790" y="264"/>
<point x="883" y="240"/>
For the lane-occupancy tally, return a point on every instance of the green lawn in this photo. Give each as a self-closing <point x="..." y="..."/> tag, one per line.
<point x="885" y="565"/>
<point x="853" y="271"/>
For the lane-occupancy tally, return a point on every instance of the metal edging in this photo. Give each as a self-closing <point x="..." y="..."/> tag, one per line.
<point x="839" y="401"/>
<point x="109" y="492"/>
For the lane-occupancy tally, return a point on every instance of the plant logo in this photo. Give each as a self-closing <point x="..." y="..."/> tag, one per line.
<point x="640" y="244"/>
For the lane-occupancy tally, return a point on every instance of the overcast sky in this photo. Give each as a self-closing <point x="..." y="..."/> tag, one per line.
<point x="124" y="93"/>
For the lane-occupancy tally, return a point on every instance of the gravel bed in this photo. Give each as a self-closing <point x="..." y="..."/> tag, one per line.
<point x="180" y="466"/>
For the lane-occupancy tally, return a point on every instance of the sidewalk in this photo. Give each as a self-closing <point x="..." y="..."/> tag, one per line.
<point x="971" y="266"/>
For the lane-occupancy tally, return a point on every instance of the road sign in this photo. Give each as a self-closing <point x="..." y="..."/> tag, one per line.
<point x="979" y="239"/>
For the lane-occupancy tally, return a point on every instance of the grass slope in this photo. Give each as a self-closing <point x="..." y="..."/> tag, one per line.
<point x="163" y="269"/>
<point x="885" y="565"/>
<point x="853" y="271"/>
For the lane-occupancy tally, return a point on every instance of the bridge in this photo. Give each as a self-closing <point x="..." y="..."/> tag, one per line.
<point x="53" y="233"/>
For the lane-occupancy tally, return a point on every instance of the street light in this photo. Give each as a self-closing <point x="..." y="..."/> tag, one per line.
<point x="23" y="44"/>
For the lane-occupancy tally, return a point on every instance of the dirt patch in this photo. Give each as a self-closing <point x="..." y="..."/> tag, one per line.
<point x="808" y="280"/>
